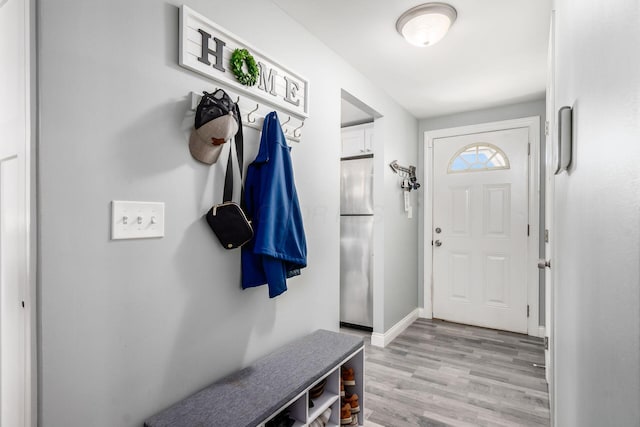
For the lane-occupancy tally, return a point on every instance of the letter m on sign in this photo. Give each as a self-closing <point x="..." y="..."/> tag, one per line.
<point x="267" y="80"/>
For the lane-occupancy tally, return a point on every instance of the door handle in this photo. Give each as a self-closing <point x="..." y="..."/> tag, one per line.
<point x="437" y="243"/>
<point x="542" y="264"/>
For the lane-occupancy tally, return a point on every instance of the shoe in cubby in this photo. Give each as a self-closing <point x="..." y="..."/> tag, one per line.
<point x="325" y="416"/>
<point x="348" y="376"/>
<point x="345" y="415"/>
<point x="352" y="400"/>
<point x="317" y="390"/>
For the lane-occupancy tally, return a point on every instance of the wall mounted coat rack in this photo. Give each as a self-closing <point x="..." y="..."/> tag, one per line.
<point x="410" y="181"/>
<point x="253" y="115"/>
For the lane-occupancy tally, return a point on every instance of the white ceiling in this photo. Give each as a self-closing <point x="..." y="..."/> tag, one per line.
<point x="495" y="53"/>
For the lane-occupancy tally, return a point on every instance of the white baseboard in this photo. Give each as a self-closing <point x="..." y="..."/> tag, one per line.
<point x="382" y="340"/>
<point x="424" y="313"/>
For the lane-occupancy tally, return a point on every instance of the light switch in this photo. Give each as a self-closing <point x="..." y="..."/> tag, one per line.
<point x="136" y="220"/>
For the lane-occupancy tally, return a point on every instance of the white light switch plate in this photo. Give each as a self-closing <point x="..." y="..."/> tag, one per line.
<point x="136" y="220"/>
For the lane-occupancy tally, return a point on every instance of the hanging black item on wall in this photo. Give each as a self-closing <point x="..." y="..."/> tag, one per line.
<point x="230" y="224"/>
<point x="228" y="220"/>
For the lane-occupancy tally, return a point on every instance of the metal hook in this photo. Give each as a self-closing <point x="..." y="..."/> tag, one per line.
<point x="249" y="118"/>
<point x="297" y="134"/>
<point x="238" y="100"/>
<point x="284" y="123"/>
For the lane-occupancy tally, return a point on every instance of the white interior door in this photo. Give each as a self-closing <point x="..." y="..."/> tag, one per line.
<point x="14" y="212"/>
<point x="480" y="217"/>
<point x="12" y="315"/>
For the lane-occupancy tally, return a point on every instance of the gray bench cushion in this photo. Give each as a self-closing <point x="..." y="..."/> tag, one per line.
<point x="247" y="397"/>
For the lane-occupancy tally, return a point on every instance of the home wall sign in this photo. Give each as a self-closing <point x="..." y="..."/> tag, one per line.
<point x="206" y="48"/>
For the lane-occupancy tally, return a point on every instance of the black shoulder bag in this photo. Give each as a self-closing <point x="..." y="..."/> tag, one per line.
<point x="228" y="220"/>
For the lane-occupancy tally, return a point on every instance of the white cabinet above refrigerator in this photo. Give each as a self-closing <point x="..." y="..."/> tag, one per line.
<point x="357" y="140"/>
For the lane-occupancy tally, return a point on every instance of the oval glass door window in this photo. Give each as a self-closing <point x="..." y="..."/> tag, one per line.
<point x="478" y="157"/>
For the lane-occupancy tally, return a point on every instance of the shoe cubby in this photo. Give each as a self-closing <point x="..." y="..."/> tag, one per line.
<point x="328" y="399"/>
<point x="356" y="363"/>
<point x="282" y="382"/>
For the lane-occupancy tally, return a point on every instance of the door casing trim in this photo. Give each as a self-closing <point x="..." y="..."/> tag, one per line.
<point x="533" y="198"/>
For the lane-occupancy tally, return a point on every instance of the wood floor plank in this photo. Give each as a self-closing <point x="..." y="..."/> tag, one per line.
<point x="442" y="374"/>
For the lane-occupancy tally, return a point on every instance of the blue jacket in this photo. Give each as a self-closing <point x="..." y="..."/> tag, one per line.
<point x="278" y="249"/>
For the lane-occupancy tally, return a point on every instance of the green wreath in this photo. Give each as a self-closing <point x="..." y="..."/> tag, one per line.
<point x="239" y="57"/>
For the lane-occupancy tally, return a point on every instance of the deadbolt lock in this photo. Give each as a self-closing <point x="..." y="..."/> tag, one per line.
<point x="542" y="264"/>
<point x="438" y="230"/>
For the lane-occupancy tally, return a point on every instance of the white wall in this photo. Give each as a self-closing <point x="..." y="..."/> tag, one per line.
<point x="400" y="232"/>
<point x="506" y="112"/>
<point x="129" y="327"/>
<point x="597" y="210"/>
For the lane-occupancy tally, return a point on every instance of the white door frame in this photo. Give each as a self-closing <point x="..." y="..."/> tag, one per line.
<point x="27" y="223"/>
<point x="533" y="124"/>
<point x="551" y="135"/>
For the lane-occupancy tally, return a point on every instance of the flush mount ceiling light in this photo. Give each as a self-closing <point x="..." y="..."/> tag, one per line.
<point x="427" y="24"/>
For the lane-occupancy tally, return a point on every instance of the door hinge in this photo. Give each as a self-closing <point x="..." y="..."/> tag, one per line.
<point x="529" y="149"/>
<point x="546" y="235"/>
<point x="528" y="229"/>
<point x="527" y="310"/>
<point x="546" y="128"/>
<point x="546" y="343"/>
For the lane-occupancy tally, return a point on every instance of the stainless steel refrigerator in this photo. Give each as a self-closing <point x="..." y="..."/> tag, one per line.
<point x="356" y="242"/>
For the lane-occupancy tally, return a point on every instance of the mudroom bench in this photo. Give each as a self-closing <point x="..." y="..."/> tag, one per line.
<point x="277" y="382"/>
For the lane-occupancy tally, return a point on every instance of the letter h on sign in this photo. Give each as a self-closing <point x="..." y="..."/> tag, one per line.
<point x="218" y="53"/>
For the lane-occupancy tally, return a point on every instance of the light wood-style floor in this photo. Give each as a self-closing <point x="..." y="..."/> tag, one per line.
<point x="438" y="373"/>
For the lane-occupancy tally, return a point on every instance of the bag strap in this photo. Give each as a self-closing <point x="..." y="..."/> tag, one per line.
<point x="228" y="179"/>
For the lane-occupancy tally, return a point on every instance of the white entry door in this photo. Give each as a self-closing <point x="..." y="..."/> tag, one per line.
<point x="14" y="213"/>
<point x="480" y="211"/>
